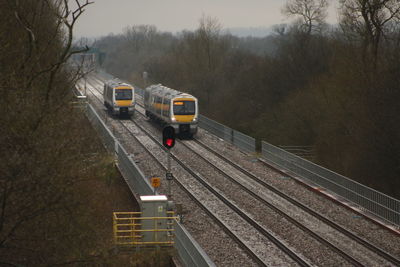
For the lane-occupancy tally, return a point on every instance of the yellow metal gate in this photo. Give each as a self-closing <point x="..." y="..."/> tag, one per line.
<point x="129" y="229"/>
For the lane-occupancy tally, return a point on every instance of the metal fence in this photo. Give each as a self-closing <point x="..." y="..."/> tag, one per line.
<point x="377" y="203"/>
<point x="133" y="175"/>
<point x="306" y="152"/>
<point x="97" y="122"/>
<point x="230" y="135"/>
<point x="188" y="249"/>
<point x="139" y="91"/>
<point x="239" y="139"/>
<point x="135" y="230"/>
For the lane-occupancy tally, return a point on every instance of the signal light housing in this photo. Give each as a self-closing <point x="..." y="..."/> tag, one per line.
<point x="169" y="137"/>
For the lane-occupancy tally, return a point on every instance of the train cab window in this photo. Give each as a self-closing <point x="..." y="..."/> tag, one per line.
<point x="184" y="107"/>
<point x="123" y="94"/>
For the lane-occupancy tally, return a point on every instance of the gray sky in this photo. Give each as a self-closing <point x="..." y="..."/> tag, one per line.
<point x="112" y="16"/>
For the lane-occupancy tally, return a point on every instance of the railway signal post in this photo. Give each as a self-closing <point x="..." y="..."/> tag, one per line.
<point x="169" y="142"/>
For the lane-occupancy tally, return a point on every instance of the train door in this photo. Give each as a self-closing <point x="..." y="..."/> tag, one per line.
<point x="159" y="104"/>
<point x="152" y="104"/>
<point x="164" y="107"/>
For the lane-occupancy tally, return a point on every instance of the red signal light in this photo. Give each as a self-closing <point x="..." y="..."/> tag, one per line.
<point x="169" y="142"/>
<point x="168" y="137"/>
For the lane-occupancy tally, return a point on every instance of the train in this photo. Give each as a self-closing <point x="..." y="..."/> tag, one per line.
<point x="119" y="98"/>
<point x="173" y="108"/>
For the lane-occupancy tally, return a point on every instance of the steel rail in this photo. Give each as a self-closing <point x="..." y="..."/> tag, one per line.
<point x="332" y="224"/>
<point x="347" y="233"/>
<point x="198" y="202"/>
<point x="260" y="228"/>
<point x="247" y="249"/>
<point x="320" y="239"/>
<point x="317" y="237"/>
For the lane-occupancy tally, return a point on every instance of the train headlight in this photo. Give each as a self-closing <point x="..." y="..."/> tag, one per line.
<point x="173" y="119"/>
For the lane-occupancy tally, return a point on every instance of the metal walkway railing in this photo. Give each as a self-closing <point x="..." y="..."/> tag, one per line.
<point x="189" y="251"/>
<point x="130" y="231"/>
<point x="375" y="202"/>
<point x="368" y="199"/>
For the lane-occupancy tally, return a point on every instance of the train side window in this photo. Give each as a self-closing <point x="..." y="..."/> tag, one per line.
<point x="159" y="102"/>
<point x="165" y="107"/>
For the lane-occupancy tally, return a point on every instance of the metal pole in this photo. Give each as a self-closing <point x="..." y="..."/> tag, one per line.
<point x="169" y="195"/>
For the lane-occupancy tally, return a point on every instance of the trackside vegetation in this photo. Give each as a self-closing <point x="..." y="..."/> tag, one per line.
<point x="58" y="186"/>
<point x="335" y="88"/>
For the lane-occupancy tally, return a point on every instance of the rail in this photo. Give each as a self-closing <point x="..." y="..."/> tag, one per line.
<point x="294" y="159"/>
<point x="189" y="251"/>
<point x="242" y="141"/>
<point x="370" y="200"/>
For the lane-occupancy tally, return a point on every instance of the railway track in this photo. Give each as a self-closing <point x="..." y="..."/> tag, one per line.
<point x="256" y="241"/>
<point x="352" y="250"/>
<point x="330" y="223"/>
<point x="343" y="252"/>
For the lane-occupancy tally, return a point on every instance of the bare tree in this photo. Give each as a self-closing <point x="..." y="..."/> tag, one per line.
<point x="312" y="13"/>
<point x="369" y="20"/>
<point x="206" y="53"/>
<point x="208" y="34"/>
<point x="140" y="36"/>
<point x="39" y="141"/>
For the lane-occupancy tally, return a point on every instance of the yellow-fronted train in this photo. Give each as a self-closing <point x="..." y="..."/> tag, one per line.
<point x="119" y="98"/>
<point x="173" y="108"/>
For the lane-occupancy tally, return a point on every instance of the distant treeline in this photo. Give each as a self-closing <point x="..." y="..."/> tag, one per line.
<point x="334" y="88"/>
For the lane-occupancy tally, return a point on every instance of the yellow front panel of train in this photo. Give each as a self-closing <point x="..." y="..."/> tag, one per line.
<point x="123" y="103"/>
<point x="183" y="99"/>
<point x="123" y="96"/>
<point x="184" y="118"/>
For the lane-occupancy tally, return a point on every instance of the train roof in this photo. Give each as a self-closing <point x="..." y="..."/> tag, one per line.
<point x="116" y="82"/>
<point x="162" y="90"/>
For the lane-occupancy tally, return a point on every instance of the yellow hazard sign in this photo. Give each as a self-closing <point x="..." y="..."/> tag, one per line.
<point x="155" y="182"/>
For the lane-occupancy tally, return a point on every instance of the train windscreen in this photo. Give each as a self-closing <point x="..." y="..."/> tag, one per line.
<point x="184" y="107"/>
<point x="123" y="94"/>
